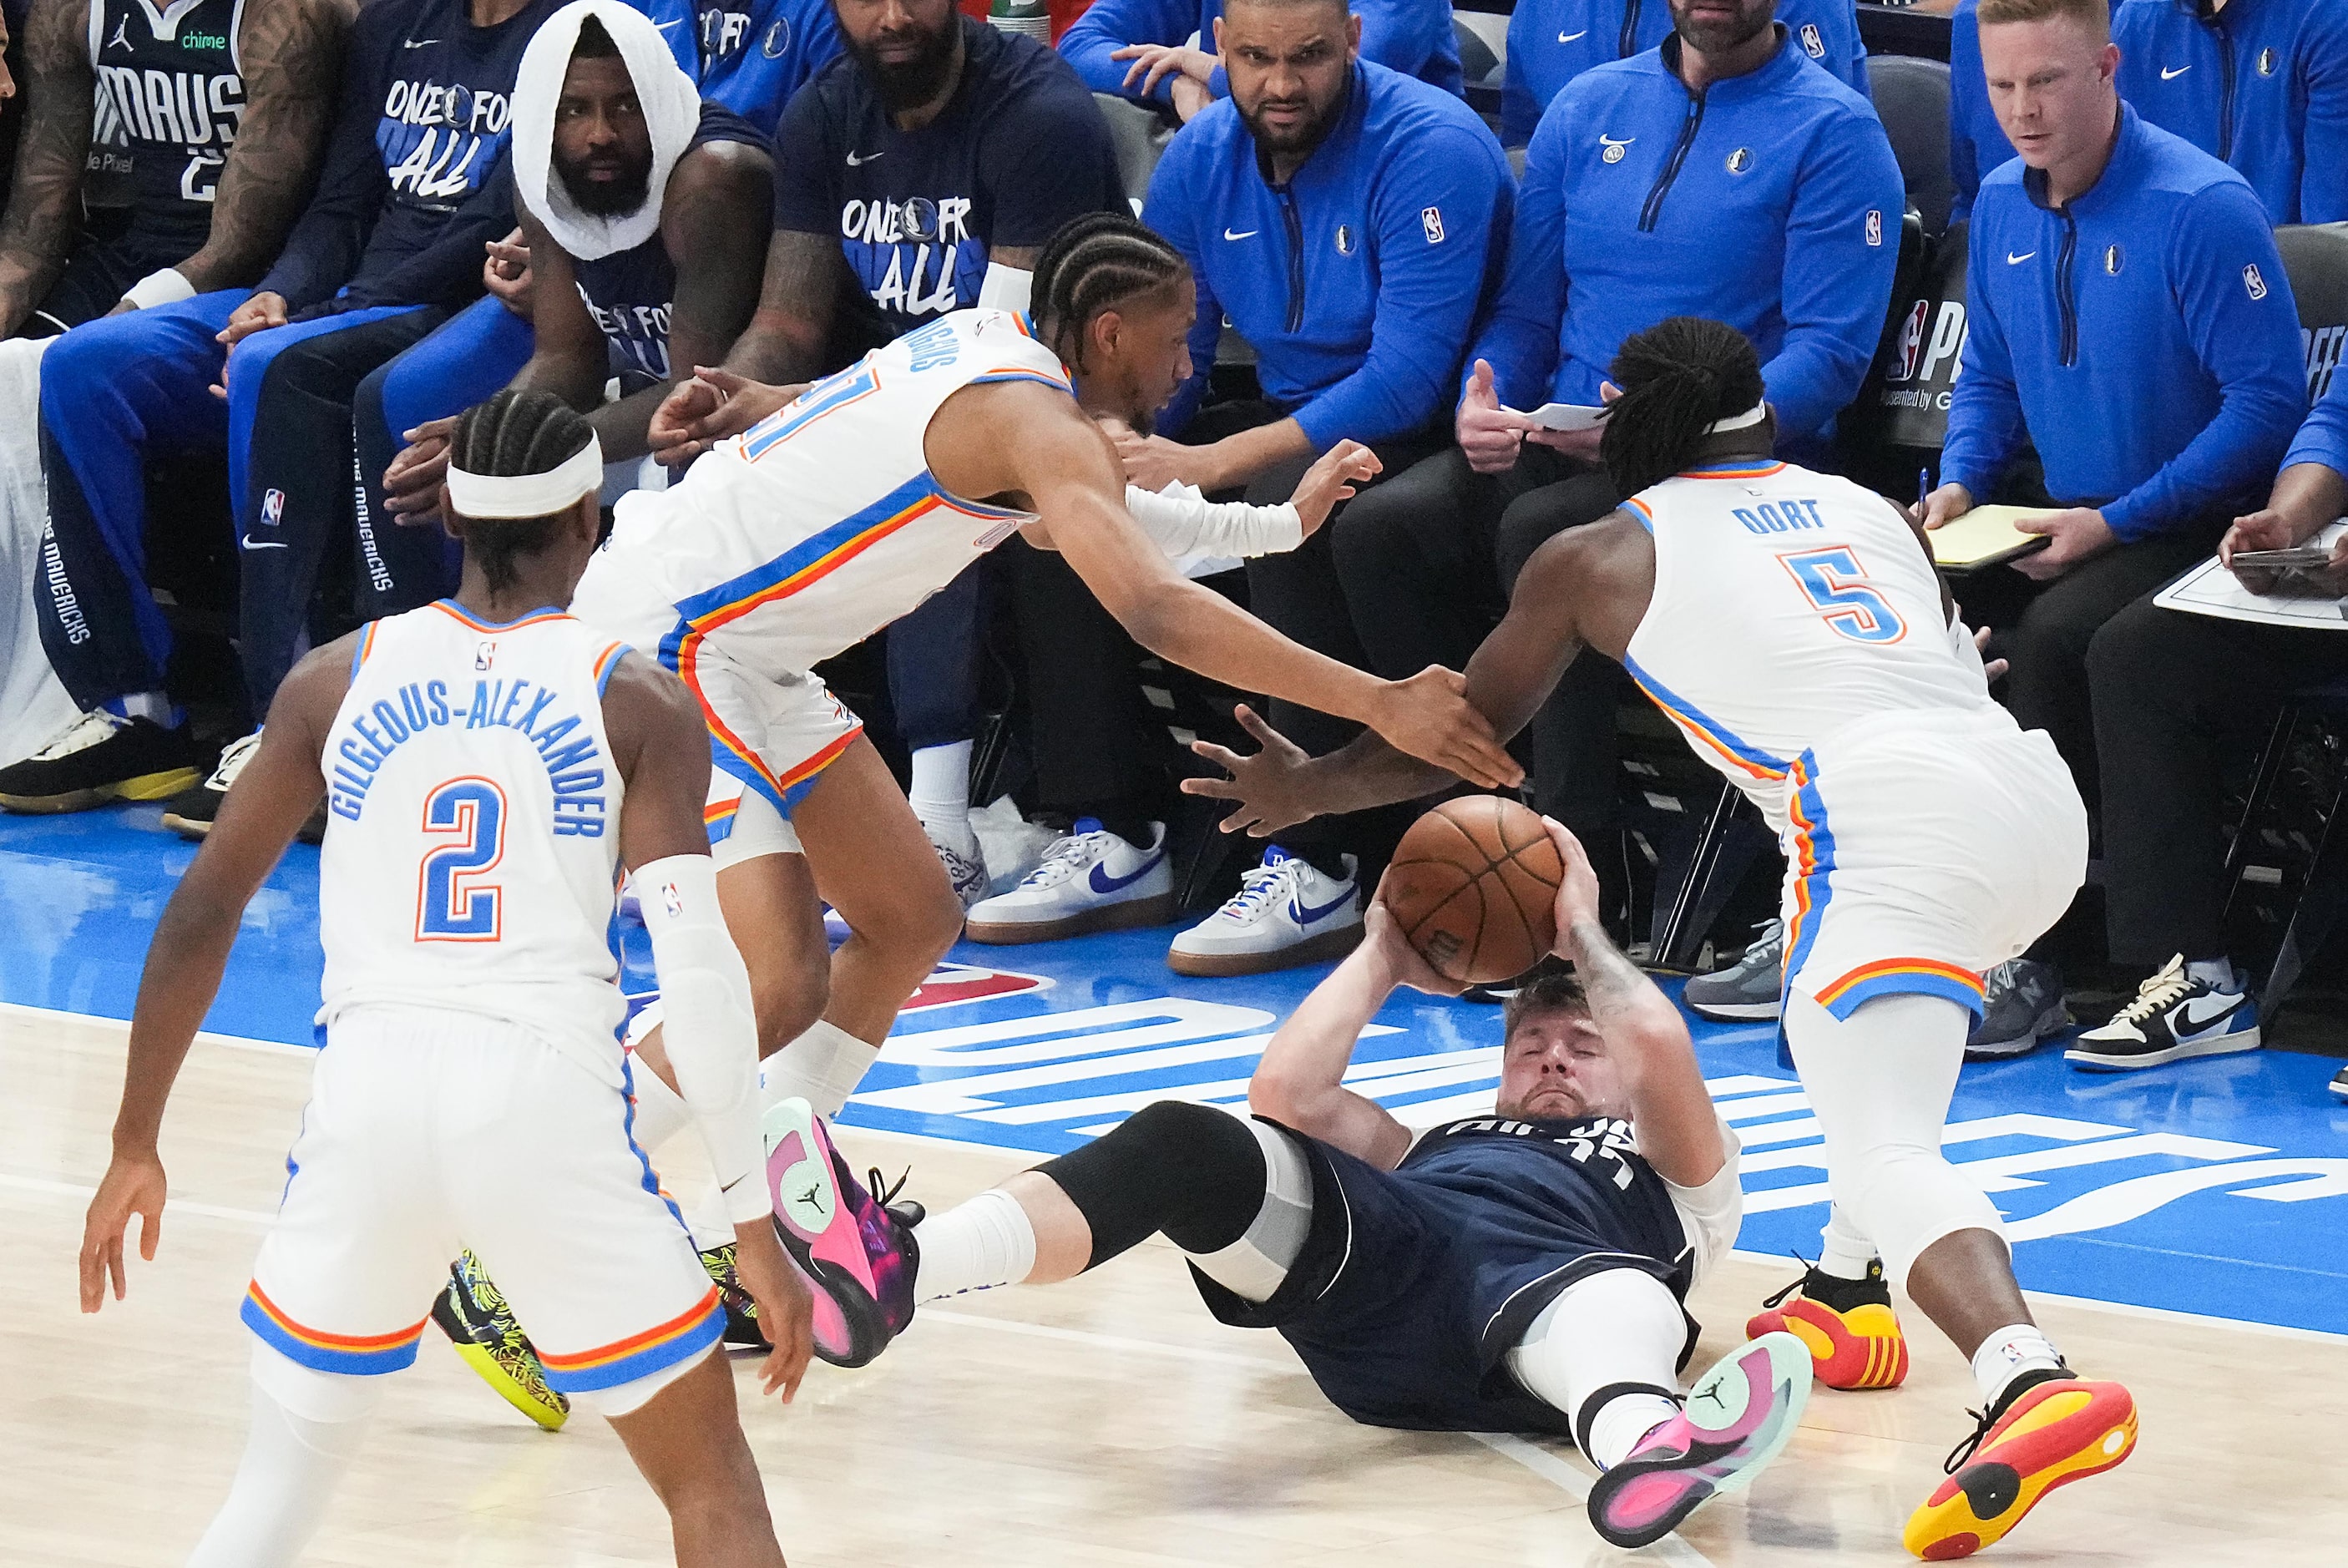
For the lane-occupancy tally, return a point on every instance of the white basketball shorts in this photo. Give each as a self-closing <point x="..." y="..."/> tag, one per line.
<point x="1925" y="849"/>
<point x="430" y="1131"/>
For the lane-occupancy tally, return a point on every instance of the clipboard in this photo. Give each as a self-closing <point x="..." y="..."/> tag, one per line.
<point x="1986" y="536"/>
<point x="1570" y="417"/>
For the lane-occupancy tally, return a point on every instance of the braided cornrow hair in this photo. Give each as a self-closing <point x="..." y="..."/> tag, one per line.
<point x="515" y="432"/>
<point x="1091" y="264"/>
<point x="1677" y="377"/>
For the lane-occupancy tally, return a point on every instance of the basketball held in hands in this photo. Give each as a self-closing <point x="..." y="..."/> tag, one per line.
<point x="1473" y="885"/>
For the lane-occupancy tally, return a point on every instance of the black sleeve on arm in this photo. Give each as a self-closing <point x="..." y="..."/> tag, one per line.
<point x="447" y="272"/>
<point x="324" y="247"/>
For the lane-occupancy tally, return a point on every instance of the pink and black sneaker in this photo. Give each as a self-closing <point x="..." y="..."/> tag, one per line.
<point x="1733" y="1421"/>
<point x="859" y="1257"/>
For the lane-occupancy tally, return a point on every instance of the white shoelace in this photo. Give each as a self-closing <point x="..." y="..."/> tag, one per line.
<point x="1768" y="939"/>
<point x="1066" y="856"/>
<point x="1259" y="888"/>
<point x="2161" y="992"/>
<point x="92" y="728"/>
<point x="232" y="759"/>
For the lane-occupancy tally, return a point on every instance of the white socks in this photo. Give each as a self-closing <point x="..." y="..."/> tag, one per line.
<point x="153" y="706"/>
<point x="292" y="1465"/>
<point x="1622" y="1327"/>
<point x="939" y="790"/>
<point x="977" y="1245"/>
<point x="1843" y="1253"/>
<point x="2218" y="972"/>
<point x="2007" y="1353"/>
<point x="822" y="1066"/>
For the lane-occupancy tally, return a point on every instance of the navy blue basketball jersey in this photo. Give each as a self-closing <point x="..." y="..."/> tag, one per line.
<point x="171" y="93"/>
<point x="755" y="53"/>
<point x="1019" y="150"/>
<point x="629" y="291"/>
<point x="1585" y="1175"/>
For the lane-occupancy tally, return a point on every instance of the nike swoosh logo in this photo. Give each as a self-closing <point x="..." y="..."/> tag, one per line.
<point x="1248" y="234"/>
<point x="665" y="27"/>
<point x="1104" y="883"/>
<point x="2014" y="261"/>
<point x="1304" y="915"/>
<point x="2167" y="75"/>
<point x="1568" y="37"/>
<point x="418" y="43"/>
<point x="2200" y="1023"/>
<point x="855" y="160"/>
<point x="252" y="544"/>
<point x="1607" y="140"/>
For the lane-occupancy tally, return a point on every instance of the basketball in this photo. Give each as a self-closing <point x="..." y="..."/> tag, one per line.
<point x="1474" y="887"/>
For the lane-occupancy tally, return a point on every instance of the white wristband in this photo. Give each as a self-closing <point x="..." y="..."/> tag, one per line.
<point x="162" y="286"/>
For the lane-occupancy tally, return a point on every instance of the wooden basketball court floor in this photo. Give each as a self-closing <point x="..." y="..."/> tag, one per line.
<point x="1105" y="1422"/>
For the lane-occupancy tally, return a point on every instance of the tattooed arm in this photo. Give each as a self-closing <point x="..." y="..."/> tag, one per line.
<point x="1679" y="1131"/>
<point x="292" y="53"/>
<point x="44" y="214"/>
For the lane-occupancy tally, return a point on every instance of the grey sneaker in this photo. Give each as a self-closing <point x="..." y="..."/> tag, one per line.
<point x="1752" y="988"/>
<point x="2340" y="1083"/>
<point x="2022" y="1006"/>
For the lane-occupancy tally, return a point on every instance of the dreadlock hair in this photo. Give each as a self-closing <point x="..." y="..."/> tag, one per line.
<point x="1551" y="991"/>
<point x="515" y="432"/>
<point x="1677" y="377"/>
<point x="1093" y="264"/>
<point x="595" y="43"/>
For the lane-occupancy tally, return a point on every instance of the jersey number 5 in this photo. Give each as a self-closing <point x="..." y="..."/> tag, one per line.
<point x="1838" y="588"/>
<point x="452" y="905"/>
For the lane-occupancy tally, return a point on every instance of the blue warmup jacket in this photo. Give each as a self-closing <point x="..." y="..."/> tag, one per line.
<point x="1771" y="202"/>
<point x="1413" y="36"/>
<point x="755" y="53"/>
<point x="2144" y="333"/>
<point x="1358" y="281"/>
<point x="1551" y="42"/>
<point x="416" y="180"/>
<point x="2262" y="85"/>
<point x="1977" y="143"/>
<point x="2324" y="438"/>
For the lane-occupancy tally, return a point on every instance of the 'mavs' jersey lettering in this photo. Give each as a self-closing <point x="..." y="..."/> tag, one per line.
<point x="629" y="291"/>
<point x="472" y="836"/>
<point x="1019" y="150"/>
<point x="755" y="53"/>
<point x="171" y="93"/>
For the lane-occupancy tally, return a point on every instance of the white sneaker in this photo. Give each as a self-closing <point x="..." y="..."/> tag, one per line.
<point x="1091" y="880"/>
<point x="965" y="864"/>
<point x="1285" y="913"/>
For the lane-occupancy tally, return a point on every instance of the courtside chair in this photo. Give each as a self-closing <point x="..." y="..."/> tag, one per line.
<point x="1911" y="98"/>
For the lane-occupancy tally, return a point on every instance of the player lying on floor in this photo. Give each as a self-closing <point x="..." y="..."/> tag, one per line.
<point x="472" y="1092"/>
<point x="1522" y="1271"/>
<point x="1791" y="624"/>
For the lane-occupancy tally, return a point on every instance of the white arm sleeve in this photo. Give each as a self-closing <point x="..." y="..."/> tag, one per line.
<point x="1004" y="288"/>
<point x="1711" y="1213"/>
<point x="1184" y="522"/>
<point x="711" y="1033"/>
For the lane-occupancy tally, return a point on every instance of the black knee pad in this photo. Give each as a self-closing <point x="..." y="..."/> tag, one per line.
<point x="1190" y="1171"/>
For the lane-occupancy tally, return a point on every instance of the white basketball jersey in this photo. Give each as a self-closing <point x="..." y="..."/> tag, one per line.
<point x="472" y="826"/>
<point x="821" y="523"/>
<point x="1787" y="606"/>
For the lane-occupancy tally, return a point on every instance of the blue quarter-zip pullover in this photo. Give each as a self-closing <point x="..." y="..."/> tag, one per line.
<point x="2144" y="333"/>
<point x="1770" y="202"/>
<point x="1358" y="281"/>
<point x="1413" y="36"/>
<point x="2261" y="85"/>
<point x="2324" y="438"/>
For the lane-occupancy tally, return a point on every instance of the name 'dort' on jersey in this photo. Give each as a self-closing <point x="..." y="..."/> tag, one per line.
<point x="544" y="718"/>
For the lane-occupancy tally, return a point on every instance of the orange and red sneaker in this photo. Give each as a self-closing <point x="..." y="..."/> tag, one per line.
<point x="1852" y="1332"/>
<point x="2053" y="1432"/>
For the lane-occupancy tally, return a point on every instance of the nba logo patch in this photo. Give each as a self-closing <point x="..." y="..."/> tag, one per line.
<point x="1812" y="44"/>
<point x="671" y="901"/>
<point x="1875" y="225"/>
<point x="778" y="39"/>
<point x="2253" y="282"/>
<point x="273" y="508"/>
<point x="485" y="655"/>
<point x="1431" y="220"/>
<point x="1345" y="237"/>
<point x="1740" y="160"/>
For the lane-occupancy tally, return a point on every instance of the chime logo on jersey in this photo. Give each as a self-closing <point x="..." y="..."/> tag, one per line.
<point x="914" y="256"/>
<point x="1430" y="219"/>
<point x="2253" y="282"/>
<point x="440" y="142"/>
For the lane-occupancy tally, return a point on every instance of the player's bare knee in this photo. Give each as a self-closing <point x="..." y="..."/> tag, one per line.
<point x="787" y="1000"/>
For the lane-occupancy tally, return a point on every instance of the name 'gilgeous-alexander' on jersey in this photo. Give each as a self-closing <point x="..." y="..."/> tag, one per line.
<point x="574" y="769"/>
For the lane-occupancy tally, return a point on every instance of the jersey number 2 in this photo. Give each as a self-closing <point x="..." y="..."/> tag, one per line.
<point x="1838" y="588"/>
<point x="452" y="905"/>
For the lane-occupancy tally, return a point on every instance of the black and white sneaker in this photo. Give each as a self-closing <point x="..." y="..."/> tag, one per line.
<point x="2340" y="1083"/>
<point x="2022" y="1003"/>
<point x="191" y="811"/>
<point x="1752" y="988"/>
<point x="2174" y="1016"/>
<point x="101" y="758"/>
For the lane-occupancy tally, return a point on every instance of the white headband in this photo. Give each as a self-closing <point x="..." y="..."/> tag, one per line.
<point x="1750" y="418"/>
<point x="492" y="496"/>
